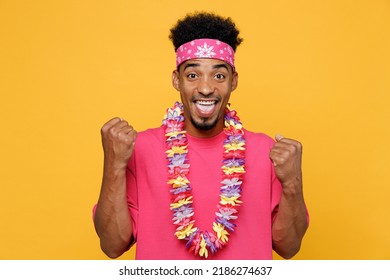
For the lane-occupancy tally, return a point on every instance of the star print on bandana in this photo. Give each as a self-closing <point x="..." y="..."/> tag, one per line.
<point x="205" y="48"/>
<point x="205" y="51"/>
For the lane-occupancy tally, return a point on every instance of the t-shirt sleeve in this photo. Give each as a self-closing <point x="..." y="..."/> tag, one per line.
<point x="132" y="195"/>
<point x="276" y="193"/>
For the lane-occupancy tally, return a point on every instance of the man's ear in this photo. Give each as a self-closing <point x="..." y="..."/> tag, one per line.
<point x="234" y="80"/>
<point x="175" y="80"/>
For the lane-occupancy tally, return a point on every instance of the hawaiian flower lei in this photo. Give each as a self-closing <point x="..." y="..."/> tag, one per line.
<point x="201" y="242"/>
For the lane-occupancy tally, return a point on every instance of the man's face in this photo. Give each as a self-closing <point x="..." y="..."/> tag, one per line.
<point x="205" y="86"/>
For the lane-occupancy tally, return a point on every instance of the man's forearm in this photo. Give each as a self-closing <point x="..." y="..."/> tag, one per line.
<point x="112" y="217"/>
<point x="290" y="223"/>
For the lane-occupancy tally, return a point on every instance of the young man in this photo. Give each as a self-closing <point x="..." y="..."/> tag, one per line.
<point x="200" y="186"/>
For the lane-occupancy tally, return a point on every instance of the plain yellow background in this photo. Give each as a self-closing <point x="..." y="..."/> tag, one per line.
<point x="317" y="71"/>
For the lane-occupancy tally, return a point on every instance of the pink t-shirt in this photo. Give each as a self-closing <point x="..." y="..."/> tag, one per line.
<point x="149" y="197"/>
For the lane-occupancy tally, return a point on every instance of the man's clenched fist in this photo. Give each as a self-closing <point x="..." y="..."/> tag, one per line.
<point x="286" y="156"/>
<point x="118" y="138"/>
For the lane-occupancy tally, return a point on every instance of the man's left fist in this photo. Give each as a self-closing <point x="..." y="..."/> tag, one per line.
<point x="286" y="155"/>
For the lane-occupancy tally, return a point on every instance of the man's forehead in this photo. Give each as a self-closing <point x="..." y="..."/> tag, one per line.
<point x="205" y="62"/>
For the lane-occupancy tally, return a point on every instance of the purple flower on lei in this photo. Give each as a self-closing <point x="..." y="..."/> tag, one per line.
<point x="226" y="223"/>
<point x="182" y="189"/>
<point x="227" y="214"/>
<point x="231" y="182"/>
<point x="174" y="114"/>
<point x="191" y="238"/>
<point x="209" y="244"/>
<point x="234" y="139"/>
<point x="178" y="160"/>
<point x="229" y="118"/>
<point x="182" y="212"/>
<point x="235" y="162"/>
<point x="231" y="191"/>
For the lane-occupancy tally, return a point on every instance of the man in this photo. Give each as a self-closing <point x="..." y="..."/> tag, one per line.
<point x="200" y="186"/>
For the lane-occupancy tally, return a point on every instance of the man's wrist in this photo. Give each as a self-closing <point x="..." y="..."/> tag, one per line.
<point x="292" y="187"/>
<point x="114" y="166"/>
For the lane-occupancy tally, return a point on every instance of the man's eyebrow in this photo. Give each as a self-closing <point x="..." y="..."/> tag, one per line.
<point x="222" y="65"/>
<point x="191" y="65"/>
<point x="216" y="66"/>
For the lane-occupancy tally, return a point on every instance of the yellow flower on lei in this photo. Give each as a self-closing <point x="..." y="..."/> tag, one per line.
<point x="173" y="134"/>
<point x="176" y="150"/>
<point x="187" y="231"/>
<point x="221" y="232"/>
<point x="181" y="202"/>
<point x="234" y="146"/>
<point x="232" y="124"/>
<point x="203" y="249"/>
<point x="229" y="200"/>
<point x="178" y="182"/>
<point x="233" y="169"/>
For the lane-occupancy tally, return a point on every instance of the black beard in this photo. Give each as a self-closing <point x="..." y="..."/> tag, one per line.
<point x="204" y="125"/>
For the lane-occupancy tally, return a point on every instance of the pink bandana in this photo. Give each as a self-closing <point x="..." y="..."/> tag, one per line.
<point x="205" y="48"/>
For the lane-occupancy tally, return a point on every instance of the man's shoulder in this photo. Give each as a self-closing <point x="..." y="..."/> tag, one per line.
<point x="149" y="140"/>
<point x="155" y="132"/>
<point x="258" y="137"/>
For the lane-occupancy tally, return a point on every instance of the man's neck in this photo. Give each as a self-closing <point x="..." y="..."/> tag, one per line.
<point x="200" y="133"/>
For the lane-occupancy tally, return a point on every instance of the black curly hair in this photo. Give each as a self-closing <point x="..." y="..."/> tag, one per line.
<point x="205" y="25"/>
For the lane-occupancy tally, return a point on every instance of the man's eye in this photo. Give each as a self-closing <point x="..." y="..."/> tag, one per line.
<point x="191" y="76"/>
<point x="219" y="76"/>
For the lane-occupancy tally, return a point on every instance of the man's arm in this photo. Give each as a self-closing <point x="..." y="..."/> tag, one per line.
<point x="290" y="223"/>
<point x="112" y="217"/>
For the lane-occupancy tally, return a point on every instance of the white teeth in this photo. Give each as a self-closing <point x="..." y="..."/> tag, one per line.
<point x="205" y="106"/>
<point x="205" y="103"/>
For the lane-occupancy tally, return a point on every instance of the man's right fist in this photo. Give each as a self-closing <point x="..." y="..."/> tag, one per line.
<point x="118" y="138"/>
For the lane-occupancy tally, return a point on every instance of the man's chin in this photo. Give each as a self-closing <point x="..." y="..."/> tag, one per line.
<point x="204" y="124"/>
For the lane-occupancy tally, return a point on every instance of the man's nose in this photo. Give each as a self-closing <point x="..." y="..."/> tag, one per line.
<point x="205" y="86"/>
